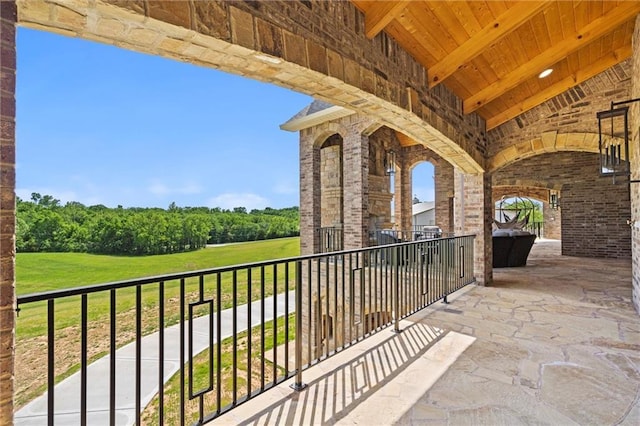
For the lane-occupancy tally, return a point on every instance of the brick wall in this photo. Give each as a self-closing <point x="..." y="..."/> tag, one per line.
<point x="8" y="17"/>
<point x="594" y="211"/>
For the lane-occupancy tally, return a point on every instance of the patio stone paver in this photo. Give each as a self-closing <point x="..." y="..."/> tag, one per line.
<point x="556" y="342"/>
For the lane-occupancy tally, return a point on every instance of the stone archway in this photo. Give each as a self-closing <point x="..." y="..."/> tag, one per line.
<point x="552" y="224"/>
<point x="546" y="143"/>
<point x="593" y="210"/>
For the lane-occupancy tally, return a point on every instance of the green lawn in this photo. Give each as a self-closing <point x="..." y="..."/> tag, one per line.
<point x="36" y="272"/>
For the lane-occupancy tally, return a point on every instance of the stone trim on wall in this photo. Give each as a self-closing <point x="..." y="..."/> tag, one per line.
<point x="547" y="142"/>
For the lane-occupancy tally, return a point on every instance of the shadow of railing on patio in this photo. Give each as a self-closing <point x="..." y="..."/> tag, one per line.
<point x="334" y="395"/>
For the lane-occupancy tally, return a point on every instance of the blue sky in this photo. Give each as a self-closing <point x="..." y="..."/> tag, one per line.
<point x="103" y="125"/>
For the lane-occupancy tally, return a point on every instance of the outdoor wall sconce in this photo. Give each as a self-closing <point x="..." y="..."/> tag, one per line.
<point x="390" y="163"/>
<point x="553" y="200"/>
<point x="613" y="140"/>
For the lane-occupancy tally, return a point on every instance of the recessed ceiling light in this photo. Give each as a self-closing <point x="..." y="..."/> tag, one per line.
<point x="545" y="73"/>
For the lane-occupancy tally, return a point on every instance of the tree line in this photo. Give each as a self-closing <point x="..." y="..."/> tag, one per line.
<point x="43" y="224"/>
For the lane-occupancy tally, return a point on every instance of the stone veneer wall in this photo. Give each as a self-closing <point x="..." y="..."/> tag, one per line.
<point x="380" y="195"/>
<point x="331" y="195"/>
<point x="443" y="183"/>
<point x="552" y="221"/>
<point x="473" y="214"/>
<point x="594" y="211"/>
<point x="444" y="195"/>
<point x="8" y="18"/>
<point x="635" y="164"/>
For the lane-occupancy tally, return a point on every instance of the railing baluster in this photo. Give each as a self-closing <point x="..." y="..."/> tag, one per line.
<point x="298" y="384"/>
<point x="317" y="319"/>
<point x="310" y="311"/>
<point x="343" y="262"/>
<point x="83" y="361"/>
<point x="286" y="319"/>
<point x="218" y="342"/>
<point x="161" y="353"/>
<point x="395" y="284"/>
<point x="334" y="322"/>
<point x="138" y="352"/>
<point x="351" y="299"/>
<point x="234" y="366"/>
<point x="51" y="376"/>
<point x="275" y="324"/>
<point x="112" y="360"/>
<point x="249" y="336"/>
<point x="182" y="354"/>
<point x="262" y="326"/>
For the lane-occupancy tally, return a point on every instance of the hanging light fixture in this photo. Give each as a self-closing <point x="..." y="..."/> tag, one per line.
<point x="390" y="163"/>
<point x="553" y="200"/>
<point x="613" y="140"/>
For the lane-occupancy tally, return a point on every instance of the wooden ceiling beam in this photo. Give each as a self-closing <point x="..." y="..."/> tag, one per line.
<point x="486" y="37"/>
<point x="565" y="84"/>
<point x="380" y="14"/>
<point x="594" y="30"/>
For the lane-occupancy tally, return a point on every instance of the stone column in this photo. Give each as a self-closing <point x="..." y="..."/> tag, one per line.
<point x="403" y="198"/>
<point x="552" y="222"/>
<point x="310" y="209"/>
<point x="8" y="19"/>
<point x="444" y="191"/>
<point x="355" y="174"/>
<point x="473" y="216"/>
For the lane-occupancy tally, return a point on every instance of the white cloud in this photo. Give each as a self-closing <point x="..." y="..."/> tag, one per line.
<point x="161" y="189"/>
<point x="286" y="188"/>
<point x="247" y="200"/>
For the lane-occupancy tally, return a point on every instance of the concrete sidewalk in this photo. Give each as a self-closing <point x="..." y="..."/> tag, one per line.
<point x="67" y="392"/>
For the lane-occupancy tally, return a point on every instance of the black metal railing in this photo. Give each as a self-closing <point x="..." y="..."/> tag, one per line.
<point x="392" y="236"/>
<point x="536" y="228"/>
<point x="234" y="332"/>
<point x="330" y="238"/>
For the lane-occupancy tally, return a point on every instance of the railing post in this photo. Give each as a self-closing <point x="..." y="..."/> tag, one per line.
<point x="395" y="283"/>
<point x="298" y="385"/>
<point x="447" y="261"/>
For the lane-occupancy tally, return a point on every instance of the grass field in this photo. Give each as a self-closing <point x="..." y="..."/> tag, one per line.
<point x="38" y="272"/>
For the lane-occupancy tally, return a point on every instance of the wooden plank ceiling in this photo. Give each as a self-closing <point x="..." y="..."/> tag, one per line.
<point x="490" y="53"/>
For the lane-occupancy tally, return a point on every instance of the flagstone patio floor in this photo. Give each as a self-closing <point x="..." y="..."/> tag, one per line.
<point x="556" y="342"/>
